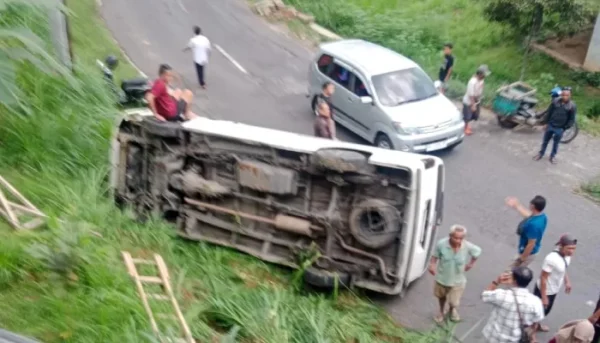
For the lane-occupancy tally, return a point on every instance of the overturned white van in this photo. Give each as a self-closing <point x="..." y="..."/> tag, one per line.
<point x="363" y="216"/>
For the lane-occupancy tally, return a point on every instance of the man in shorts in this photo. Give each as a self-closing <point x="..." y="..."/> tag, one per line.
<point x="531" y="229"/>
<point x="554" y="275"/>
<point x="452" y="258"/>
<point x="167" y="104"/>
<point x="472" y="98"/>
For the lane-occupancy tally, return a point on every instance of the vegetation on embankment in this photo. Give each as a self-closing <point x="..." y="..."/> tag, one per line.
<point x="418" y="29"/>
<point x="67" y="283"/>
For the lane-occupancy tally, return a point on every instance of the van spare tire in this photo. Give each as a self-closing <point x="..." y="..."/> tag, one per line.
<point x="341" y="161"/>
<point x="374" y="223"/>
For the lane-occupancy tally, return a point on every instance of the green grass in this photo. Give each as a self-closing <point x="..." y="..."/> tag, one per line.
<point x="593" y="189"/>
<point x="67" y="283"/>
<point x="418" y="29"/>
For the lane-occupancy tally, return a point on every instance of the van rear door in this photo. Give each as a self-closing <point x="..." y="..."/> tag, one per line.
<point x="428" y="215"/>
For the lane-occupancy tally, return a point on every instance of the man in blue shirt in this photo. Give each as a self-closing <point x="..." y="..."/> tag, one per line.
<point x="531" y="229"/>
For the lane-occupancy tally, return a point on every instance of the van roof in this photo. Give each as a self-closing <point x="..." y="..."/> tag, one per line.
<point x="292" y="141"/>
<point x="370" y="57"/>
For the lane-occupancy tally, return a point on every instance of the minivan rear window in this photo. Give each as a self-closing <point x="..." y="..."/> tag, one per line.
<point x="403" y="86"/>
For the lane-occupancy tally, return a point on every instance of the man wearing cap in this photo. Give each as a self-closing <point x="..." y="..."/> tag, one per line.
<point x="554" y="274"/>
<point x="472" y="98"/>
<point x="560" y="117"/>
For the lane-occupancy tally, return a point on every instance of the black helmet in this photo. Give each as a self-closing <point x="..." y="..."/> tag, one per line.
<point x="111" y="62"/>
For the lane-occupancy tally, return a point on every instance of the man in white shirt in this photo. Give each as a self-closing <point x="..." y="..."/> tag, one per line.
<point x="554" y="274"/>
<point x="472" y="98"/>
<point x="515" y="308"/>
<point x="200" y="46"/>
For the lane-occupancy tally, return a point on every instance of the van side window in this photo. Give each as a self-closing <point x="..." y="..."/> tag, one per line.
<point x="341" y="75"/>
<point x="359" y="87"/>
<point x="324" y="63"/>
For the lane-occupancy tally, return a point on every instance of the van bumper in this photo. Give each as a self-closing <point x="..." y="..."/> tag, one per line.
<point x="429" y="142"/>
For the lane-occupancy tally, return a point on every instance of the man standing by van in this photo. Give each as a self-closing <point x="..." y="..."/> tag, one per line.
<point x="327" y="91"/>
<point x="324" y="126"/>
<point x="200" y="46"/>
<point x="531" y="229"/>
<point x="452" y="258"/>
<point x="446" y="68"/>
<point x="472" y="98"/>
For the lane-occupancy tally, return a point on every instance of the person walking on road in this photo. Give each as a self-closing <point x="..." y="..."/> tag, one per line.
<point x="576" y="331"/>
<point x="324" y="126"/>
<point x="200" y="46"/>
<point x="530" y="230"/>
<point x="554" y="274"/>
<point x="452" y="258"/>
<point x="515" y="308"/>
<point x="472" y="98"/>
<point x="446" y="68"/>
<point x="560" y="117"/>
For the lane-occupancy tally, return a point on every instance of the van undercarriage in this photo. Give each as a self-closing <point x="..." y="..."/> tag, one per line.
<point x="330" y="207"/>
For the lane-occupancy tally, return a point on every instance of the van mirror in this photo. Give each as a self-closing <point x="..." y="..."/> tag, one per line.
<point x="366" y="99"/>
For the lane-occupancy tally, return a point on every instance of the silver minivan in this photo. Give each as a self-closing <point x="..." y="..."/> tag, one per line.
<point x="385" y="97"/>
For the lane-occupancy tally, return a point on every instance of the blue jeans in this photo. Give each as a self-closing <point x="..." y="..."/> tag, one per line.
<point x="554" y="133"/>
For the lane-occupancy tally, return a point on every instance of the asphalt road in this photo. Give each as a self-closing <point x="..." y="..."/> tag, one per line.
<point x="261" y="79"/>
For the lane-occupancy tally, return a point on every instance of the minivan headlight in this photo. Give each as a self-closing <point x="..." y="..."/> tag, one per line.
<point x="405" y="130"/>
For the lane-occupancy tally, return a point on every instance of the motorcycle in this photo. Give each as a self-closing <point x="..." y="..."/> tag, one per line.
<point x="132" y="92"/>
<point x="515" y="105"/>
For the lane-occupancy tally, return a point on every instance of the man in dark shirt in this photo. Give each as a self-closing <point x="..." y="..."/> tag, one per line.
<point x="560" y="117"/>
<point x="326" y="92"/>
<point x="446" y="68"/>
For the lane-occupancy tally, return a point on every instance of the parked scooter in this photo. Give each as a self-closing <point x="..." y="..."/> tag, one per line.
<point x="515" y="106"/>
<point x="132" y="92"/>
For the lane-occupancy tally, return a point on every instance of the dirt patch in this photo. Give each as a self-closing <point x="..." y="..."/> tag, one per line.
<point x="573" y="49"/>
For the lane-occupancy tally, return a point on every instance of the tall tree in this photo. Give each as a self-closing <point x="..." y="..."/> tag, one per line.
<point x="529" y="18"/>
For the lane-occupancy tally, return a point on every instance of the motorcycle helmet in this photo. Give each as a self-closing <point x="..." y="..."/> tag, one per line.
<point x="111" y="62"/>
<point x="555" y="92"/>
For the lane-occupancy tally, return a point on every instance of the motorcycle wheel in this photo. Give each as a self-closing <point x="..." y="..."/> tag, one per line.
<point x="505" y="122"/>
<point x="570" y="134"/>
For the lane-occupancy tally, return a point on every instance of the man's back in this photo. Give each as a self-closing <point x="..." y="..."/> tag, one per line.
<point x="504" y="324"/>
<point x="200" y="46"/>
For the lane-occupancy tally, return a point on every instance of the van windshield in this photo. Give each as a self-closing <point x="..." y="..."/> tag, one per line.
<point x="403" y="86"/>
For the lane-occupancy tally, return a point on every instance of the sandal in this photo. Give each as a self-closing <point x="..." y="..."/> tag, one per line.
<point x="439" y="319"/>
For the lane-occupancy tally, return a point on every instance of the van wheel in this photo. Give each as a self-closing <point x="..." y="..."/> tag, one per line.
<point x="383" y="141"/>
<point x="320" y="278"/>
<point x="374" y="223"/>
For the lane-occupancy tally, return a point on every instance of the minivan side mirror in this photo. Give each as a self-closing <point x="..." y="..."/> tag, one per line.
<point x="366" y="99"/>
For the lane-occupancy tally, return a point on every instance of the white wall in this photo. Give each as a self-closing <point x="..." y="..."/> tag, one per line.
<point x="592" y="60"/>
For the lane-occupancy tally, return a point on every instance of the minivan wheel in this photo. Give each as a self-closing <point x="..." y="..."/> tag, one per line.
<point x="383" y="141"/>
<point x="323" y="279"/>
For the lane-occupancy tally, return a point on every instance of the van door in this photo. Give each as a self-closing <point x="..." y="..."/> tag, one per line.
<point x="430" y="183"/>
<point x="367" y="114"/>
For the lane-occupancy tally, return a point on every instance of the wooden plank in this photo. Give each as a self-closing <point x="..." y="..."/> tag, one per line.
<point x="142" y="261"/>
<point x="32" y="224"/>
<point x="157" y="296"/>
<point x="150" y="279"/>
<point x="26" y="209"/>
<point x="17" y="194"/>
<point x="140" y="288"/>
<point x="164" y="275"/>
<point x="7" y="211"/>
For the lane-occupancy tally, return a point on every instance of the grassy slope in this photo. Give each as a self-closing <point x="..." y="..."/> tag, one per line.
<point x="68" y="283"/>
<point x="419" y="29"/>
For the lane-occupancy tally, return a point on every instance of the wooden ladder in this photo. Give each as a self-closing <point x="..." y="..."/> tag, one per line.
<point x="15" y="211"/>
<point x="162" y="280"/>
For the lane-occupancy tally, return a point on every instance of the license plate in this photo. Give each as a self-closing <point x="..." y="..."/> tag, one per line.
<point x="437" y="146"/>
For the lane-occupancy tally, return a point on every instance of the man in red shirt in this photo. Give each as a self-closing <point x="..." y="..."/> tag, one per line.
<point x="167" y="104"/>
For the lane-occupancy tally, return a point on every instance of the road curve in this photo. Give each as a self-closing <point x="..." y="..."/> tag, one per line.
<point x="268" y="90"/>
